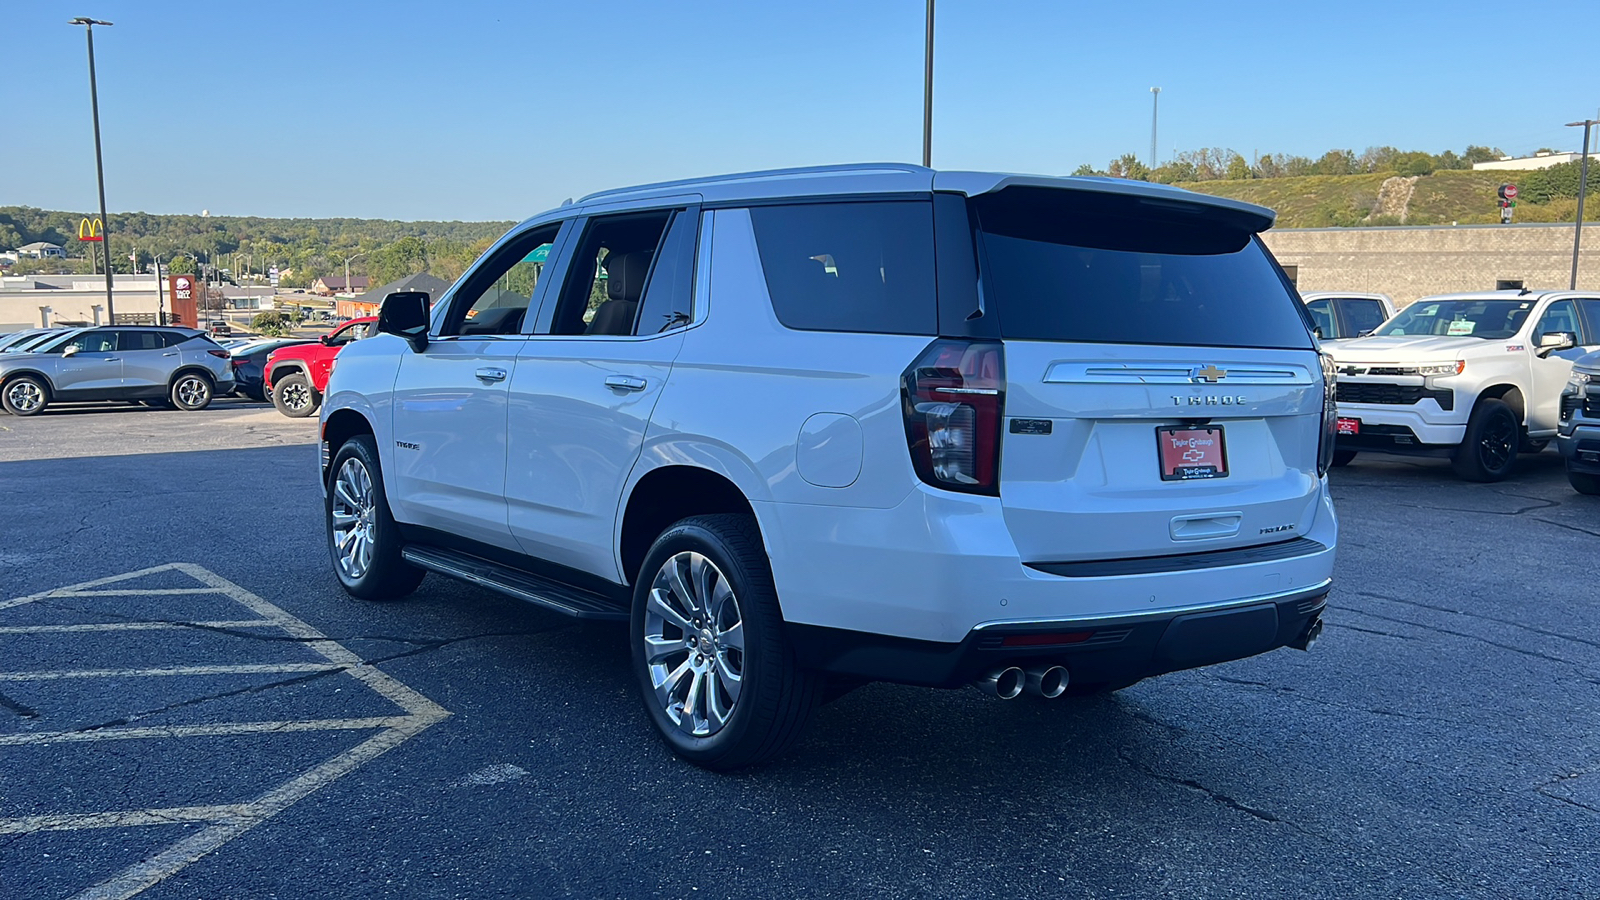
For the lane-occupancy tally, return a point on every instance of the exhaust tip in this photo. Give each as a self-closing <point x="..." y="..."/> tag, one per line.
<point x="1050" y="682"/>
<point x="1006" y="683"/>
<point x="1313" y="631"/>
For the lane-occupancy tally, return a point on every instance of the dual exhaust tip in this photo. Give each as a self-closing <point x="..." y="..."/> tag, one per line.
<point x="1008" y="683"/>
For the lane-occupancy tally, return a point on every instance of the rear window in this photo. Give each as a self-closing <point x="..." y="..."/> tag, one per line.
<point x="864" y="267"/>
<point x="1094" y="268"/>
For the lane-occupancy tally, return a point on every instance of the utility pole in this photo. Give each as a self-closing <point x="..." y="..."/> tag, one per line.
<point x="1583" y="188"/>
<point x="99" y="166"/>
<point x="1155" y="110"/>
<point x="927" y="95"/>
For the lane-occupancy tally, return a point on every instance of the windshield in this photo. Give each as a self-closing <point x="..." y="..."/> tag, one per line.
<point x="1488" y="319"/>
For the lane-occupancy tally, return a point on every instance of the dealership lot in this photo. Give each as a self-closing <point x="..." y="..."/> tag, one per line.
<point x="180" y="679"/>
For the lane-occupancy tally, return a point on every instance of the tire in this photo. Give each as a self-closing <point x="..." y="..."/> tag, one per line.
<point x="774" y="697"/>
<point x="1342" y="458"/>
<point x="25" y="395"/>
<point x="1584" y="483"/>
<point x="294" y="396"/>
<point x="190" y="392"/>
<point x="365" y="547"/>
<point x="1489" y="450"/>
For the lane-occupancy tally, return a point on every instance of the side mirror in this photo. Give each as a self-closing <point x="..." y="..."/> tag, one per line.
<point x="72" y="350"/>
<point x="1555" y="341"/>
<point x="1317" y="330"/>
<point x="324" y="339"/>
<point x="405" y="314"/>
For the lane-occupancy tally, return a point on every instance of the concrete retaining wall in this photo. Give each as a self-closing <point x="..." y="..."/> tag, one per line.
<point x="1411" y="262"/>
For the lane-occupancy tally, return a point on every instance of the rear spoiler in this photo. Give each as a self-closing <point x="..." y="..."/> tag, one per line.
<point x="1237" y="213"/>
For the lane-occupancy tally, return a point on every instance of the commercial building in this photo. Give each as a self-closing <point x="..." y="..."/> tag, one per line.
<point x="1542" y="160"/>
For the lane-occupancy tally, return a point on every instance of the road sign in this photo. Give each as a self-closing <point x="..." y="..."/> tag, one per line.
<point x="1508" y="192"/>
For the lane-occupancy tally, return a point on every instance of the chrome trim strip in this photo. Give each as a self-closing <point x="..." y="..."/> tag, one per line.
<point x="1297" y="593"/>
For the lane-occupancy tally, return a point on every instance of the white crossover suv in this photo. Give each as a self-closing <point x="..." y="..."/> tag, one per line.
<point x="1476" y="377"/>
<point x="812" y="428"/>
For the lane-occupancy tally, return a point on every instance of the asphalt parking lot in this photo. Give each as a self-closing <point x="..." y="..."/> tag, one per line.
<point x="191" y="708"/>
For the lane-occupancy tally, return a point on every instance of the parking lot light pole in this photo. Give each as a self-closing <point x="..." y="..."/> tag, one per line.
<point x="1583" y="188"/>
<point x="99" y="167"/>
<point x="927" y="95"/>
<point x="347" y="273"/>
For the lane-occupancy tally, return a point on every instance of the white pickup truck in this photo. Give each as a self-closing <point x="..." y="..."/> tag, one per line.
<point x="1476" y="377"/>
<point x="1340" y="315"/>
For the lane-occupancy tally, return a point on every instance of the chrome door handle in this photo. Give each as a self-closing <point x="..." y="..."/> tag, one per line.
<point x="169" y="354"/>
<point x="487" y="374"/>
<point x="625" y="383"/>
<point x="113" y="359"/>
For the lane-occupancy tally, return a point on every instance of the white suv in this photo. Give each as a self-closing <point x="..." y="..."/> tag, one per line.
<point x="811" y="428"/>
<point x="1475" y="377"/>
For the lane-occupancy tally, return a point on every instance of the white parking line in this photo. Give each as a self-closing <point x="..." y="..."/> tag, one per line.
<point x="228" y="821"/>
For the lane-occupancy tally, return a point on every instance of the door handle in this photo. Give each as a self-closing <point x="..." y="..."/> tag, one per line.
<point x="113" y="359"/>
<point x="169" y="354"/>
<point x="625" y="383"/>
<point x="488" y="374"/>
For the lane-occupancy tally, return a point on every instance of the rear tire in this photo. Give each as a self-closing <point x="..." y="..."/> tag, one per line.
<point x="1342" y="458"/>
<point x="1488" y="452"/>
<point x="294" y="396"/>
<point x="706" y="584"/>
<point x="363" y="539"/>
<point x="1584" y="483"/>
<point x="25" y="395"/>
<point x="190" y="392"/>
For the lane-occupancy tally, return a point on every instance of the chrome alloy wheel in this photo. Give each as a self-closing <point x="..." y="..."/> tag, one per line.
<point x="192" y="391"/>
<point x="354" y="518"/>
<point x="694" y="643"/>
<point x="295" y="395"/>
<point x="25" y="396"/>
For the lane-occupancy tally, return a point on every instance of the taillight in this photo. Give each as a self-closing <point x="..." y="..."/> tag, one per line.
<point x="219" y="353"/>
<point x="1330" y="415"/>
<point x="953" y="400"/>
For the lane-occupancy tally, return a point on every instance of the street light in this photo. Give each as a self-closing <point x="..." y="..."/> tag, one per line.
<point x="1155" y="109"/>
<point x="1583" y="187"/>
<point x="347" y="271"/>
<point x="99" y="167"/>
<point x="927" y="95"/>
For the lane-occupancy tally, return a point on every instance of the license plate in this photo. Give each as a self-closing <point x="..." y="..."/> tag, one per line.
<point x="1348" y="426"/>
<point x="1188" y="454"/>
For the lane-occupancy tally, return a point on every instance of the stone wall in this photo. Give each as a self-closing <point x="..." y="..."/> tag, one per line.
<point x="1411" y="262"/>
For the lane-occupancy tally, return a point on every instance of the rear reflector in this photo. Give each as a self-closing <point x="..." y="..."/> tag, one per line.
<point x="219" y="354"/>
<point x="1045" y="640"/>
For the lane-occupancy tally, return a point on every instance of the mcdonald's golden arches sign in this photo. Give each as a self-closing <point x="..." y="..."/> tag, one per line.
<point x="91" y="230"/>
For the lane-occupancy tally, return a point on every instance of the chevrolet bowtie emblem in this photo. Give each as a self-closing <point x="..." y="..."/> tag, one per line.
<point x="1211" y="374"/>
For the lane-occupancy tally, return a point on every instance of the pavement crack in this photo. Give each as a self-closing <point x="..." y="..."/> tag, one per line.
<point x="1476" y="615"/>
<point x="220" y="695"/>
<point x="21" y="709"/>
<point x="1510" y="648"/>
<point x="1568" y="527"/>
<point x="1216" y="796"/>
<point x="1347" y="627"/>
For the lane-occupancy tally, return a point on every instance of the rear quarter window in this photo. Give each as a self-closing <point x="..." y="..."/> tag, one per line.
<point x="850" y="266"/>
<point x="1095" y="268"/>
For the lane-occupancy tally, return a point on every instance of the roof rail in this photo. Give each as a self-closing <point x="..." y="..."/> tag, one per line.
<point x="800" y="172"/>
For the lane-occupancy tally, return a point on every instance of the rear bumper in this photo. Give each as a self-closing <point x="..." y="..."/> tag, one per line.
<point x="1107" y="650"/>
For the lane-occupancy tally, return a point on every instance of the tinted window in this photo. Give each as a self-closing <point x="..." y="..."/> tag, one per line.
<point x="1487" y="319"/>
<point x="1322" y="314"/>
<point x="606" y="279"/>
<point x="1363" y="315"/>
<point x="1561" y="315"/>
<point x="668" y="297"/>
<point x="1591" y="311"/>
<point x="864" y="267"/>
<point x="142" y="340"/>
<point x="1074" y="266"/>
<point x="90" y="342"/>
<point x="174" y="338"/>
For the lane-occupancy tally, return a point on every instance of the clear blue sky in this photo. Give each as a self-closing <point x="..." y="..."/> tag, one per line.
<point x="496" y="110"/>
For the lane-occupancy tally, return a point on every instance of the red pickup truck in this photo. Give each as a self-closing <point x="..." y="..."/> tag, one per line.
<point x="296" y="377"/>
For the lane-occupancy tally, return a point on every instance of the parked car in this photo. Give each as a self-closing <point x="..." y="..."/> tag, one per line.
<point x="1474" y="377"/>
<point x="1578" y="437"/>
<point x="18" y="340"/>
<point x="249" y="364"/>
<point x="838" y="449"/>
<point x="296" y="377"/>
<point x="1340" y="315"/>
<point x="179" y="365"/>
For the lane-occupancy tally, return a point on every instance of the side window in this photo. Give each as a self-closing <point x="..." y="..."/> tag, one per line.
<point x="1322" y="314"/>
<point x="1591" y="312"/>
<point x="91" y="342"/>
<point x="1362" y="316"/>
<point x="142" y="340"/>
<point x="606" y="278"/>
<point x="669" y="297"/>
<point x="850" y="266"/>
<point x="172" y="338"/>
<point x="1561" y="315"/>
<point x="494" y="300"/>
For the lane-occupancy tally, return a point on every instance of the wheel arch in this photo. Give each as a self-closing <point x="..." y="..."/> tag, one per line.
<point x="665" y="495"/>
<point x="181" y="371"/>
<point x="7" y="377"/>
<point x="1510" y="395"/>
<point x="285" y="367"/>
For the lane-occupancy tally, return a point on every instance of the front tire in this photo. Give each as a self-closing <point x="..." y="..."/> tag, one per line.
<point x="363" y="539"/>
<point x="715" y="671"/>
<point x="1584" y="483"/>
<point x="294" y="396"/>
<point x="1489" y="450"/>
<point x="190" y="392"/>
<point x="25" y="395"/>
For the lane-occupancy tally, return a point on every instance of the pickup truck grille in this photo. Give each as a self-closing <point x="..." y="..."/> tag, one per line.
<point x="1392" y="394"/>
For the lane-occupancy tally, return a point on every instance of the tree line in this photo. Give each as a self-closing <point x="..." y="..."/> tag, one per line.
<point x="1222" y="164"/>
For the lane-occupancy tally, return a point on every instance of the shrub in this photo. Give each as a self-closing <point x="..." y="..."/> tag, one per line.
<point x="272" y="324"/>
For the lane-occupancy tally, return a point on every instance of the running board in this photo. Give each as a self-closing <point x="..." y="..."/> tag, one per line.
<point x="525" y="586"/>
